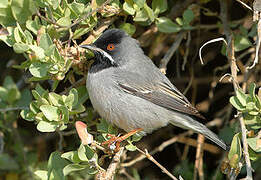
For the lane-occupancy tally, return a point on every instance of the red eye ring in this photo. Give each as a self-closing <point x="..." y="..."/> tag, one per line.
<point x="110" y="47"/>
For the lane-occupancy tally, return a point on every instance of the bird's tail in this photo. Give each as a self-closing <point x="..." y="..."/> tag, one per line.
<point x="187" y="122"/>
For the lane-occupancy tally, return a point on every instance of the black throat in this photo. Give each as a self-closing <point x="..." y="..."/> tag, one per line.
<point x="101" y="63"/>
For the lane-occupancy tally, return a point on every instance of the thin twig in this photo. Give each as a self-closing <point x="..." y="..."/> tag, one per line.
<point x="165" y="60"/>
<point x="60" y="143"/>
<point x="208" y="42"/>
<point x="258" y="42"/>
<point x="13" y="109"/>
<point x="157" y="163"/>
<point x="179" y="138"/>
<point x="111" y="170"/>
<point x="198" y="169"/>
<point x="114" y="164"/>
<point x="88" y="14"/>
<point x="245" y="5"/>
<point x="233" y="67"/>
<point x="157" y="149"/>
<point x="185" y="59"/>
<point x="104" y="25"/>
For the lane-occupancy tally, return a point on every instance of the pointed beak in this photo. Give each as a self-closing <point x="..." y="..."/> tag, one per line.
<point x="91" y="47"/>
<point x="99" y="53"/>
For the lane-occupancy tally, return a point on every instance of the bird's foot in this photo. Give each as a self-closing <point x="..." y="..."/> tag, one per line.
<point x="114" y="142"/>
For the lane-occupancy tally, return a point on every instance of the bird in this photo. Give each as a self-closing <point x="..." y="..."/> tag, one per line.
<point x="129" y="91"/>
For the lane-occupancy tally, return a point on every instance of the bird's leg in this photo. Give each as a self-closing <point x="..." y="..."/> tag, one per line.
<point x="114" y="142"/>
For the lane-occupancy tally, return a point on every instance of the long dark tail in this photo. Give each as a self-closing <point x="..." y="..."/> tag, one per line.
<point x="187" y="122"/>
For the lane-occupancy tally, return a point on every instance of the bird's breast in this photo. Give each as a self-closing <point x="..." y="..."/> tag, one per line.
<point x="123" y="109"/>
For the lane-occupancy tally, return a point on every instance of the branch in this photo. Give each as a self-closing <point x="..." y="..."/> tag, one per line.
<point x="233" y="67"/>
<point x="165" y="60"/>
<point x="88" y="14"/>
<point x="199" y="158"/>
<point x="110" y="172"/>
<point x="157" y="163"/>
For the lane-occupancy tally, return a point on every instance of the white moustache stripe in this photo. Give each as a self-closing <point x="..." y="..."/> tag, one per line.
<point x="108" y="56"/>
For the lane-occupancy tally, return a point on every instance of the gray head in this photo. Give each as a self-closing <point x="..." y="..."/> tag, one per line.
<point x="112" y="49"/>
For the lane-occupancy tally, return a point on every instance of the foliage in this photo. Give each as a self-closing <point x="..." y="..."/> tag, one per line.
<point x="250" y="107"/>
<point x="44" y="35"/>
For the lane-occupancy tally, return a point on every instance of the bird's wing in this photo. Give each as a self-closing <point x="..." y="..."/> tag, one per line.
<point x="158" y="92"/>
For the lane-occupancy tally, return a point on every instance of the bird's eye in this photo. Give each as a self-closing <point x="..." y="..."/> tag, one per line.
<point x="110" y="47"/>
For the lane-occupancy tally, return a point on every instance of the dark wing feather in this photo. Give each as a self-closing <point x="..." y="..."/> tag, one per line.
<point x="160" y="94"/>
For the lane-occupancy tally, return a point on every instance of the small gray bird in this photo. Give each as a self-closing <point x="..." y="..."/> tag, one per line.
<point x="128" y="90"/>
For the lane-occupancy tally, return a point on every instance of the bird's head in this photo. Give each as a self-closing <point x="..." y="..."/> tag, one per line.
<point x="113" y="48"/>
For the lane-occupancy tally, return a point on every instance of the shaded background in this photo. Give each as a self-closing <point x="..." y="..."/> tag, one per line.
<point x="29" y="148"/>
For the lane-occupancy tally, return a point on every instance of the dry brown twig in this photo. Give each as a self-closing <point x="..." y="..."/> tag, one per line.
<point x="198" y="169"/>
<point x="179" y="138"/>
<point x="156" y="162"/>
<point x="165" y="60"/>
<point x="234" y="69"/>
<point x="111" y="170"/>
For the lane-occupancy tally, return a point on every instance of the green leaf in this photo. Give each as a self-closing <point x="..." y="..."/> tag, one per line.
<point x="45" y="41"/>
<point x="251" y="106"/>
<point x="39" y="52"/>
<point x="54" y="3"/>
<point x="50" y="112"/>
<point x="141" y="16"/>
<point x="72" y="168"/>
<point x="64" y="21"/>
<point x="3" y="93"/>
<point x="81" y="153"/>
<point x="43" y="175"/>
<point x="38" y="69"/>
<point x="41" y="91"/>
<point x="131" y="147"/>
<point x="188" y="16"/>
<point x="72" y="99"/>
<point x="23" y="9"/>
<point x="33" y="107"/>
<point x="6" y="16"/>
<point x="82" y="94"/>
<point x="3" y="3"/>
<point x="253" y="156"/>
<point x="33" y="25"/>
<point x="45" y="126"/>
<point x="29" y="37"/>
<point x="139" y="3"/>
<point x="159" y="6"/>
<point x="241" y="43"/>
<point x="251" y="91"/>
<point x="235" y="151"/>
<point x="17" y="35"/>
<point x="27" y="115"/>
<point x="242" y="97"/>
<point x="255" y="144"/>
<point x="13" y="93"/>
<point x="179" y="21"/>
<point x="128" y="28"/>
<point x="104" y="127"/>
<point x="65" y="114"/>
<point x="20" y="47"/>
<point x="7" y="163"/>
<point x="251" y="119"/>
<point x="166" y="25"/>
<point x="149" y="12"/>
<point x="55" y="99"/>
<point x="71" y="156"/>
<point x="128" y="8"/>
<point x="236" y="103"/>
<point x="78" y="8"/>
<point x="55" y="166"/>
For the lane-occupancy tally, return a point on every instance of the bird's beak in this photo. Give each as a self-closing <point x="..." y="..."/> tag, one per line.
<point x="97" y="51"/>
<point x="91" y="47"/>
